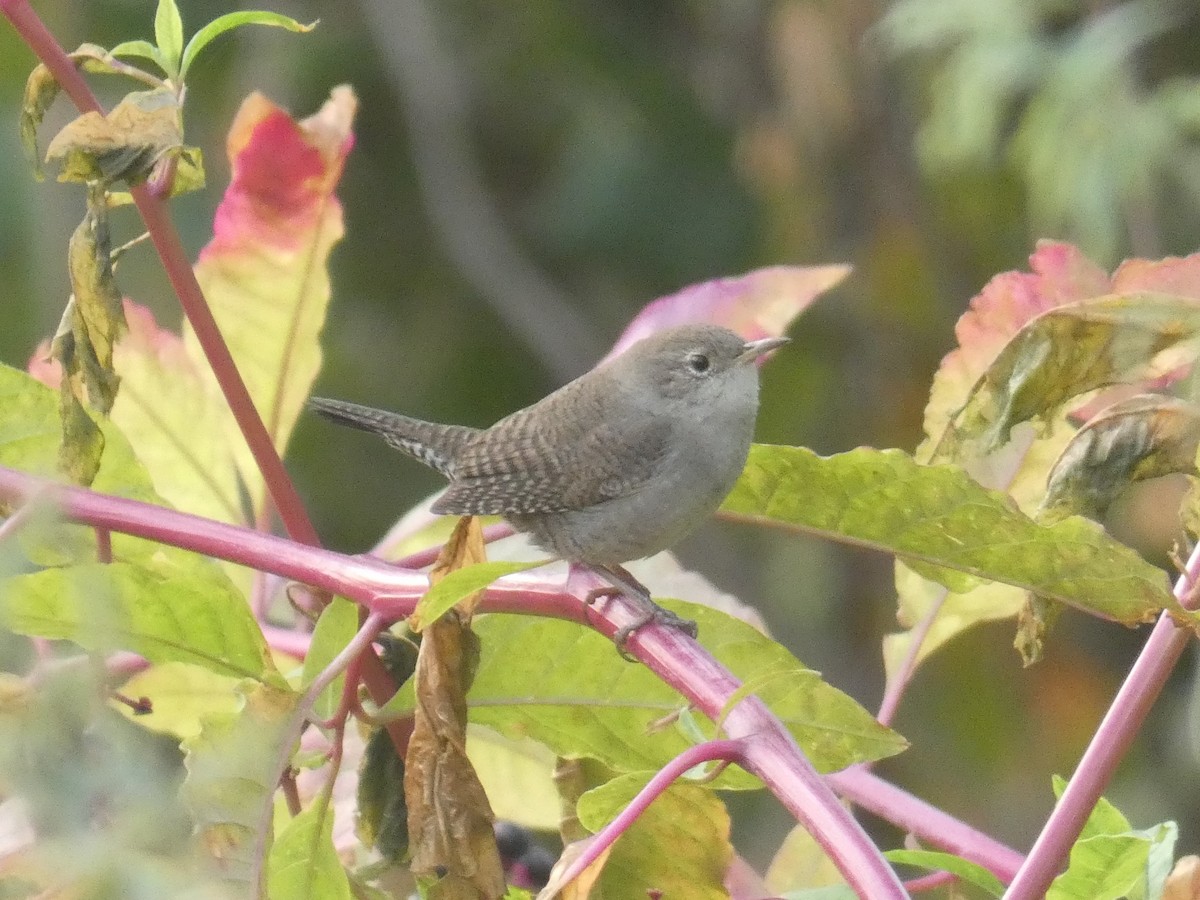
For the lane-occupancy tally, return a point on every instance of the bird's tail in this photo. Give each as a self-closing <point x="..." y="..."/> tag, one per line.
<point x="433" y="444"/>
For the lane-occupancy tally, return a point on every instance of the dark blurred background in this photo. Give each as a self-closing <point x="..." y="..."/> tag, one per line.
<point x="528" y="175"/>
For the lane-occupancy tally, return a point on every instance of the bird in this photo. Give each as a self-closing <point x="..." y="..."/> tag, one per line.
<point x="617" y="465"/>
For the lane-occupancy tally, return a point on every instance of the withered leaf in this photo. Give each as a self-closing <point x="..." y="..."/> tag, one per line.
<point x="82" y="444"/>
<point x="449" y="817"/>
<point x="96" y="317"/>
<point x="41" y="89"/>
<point x="1134" y="439"/>
<point x="124" y="145"/>
<point x="382" y="818"/>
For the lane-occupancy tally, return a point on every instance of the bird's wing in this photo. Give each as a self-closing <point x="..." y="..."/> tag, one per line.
<point x="535" y="463"/>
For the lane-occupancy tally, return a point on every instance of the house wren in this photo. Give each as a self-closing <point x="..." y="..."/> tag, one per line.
<point x="617" y="465"/>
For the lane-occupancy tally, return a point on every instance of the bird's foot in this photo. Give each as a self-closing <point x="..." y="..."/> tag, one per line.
<point x="652" y="613"/>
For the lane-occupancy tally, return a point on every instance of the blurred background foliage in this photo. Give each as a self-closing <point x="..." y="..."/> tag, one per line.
<point x="528" y="175"/>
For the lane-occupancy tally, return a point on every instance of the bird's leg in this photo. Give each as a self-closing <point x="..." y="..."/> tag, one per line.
<point x="623" y="582"/>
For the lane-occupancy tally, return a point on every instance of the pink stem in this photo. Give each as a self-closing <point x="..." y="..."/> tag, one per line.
<point x="867" y="790"/>
<point x="730" y="751"/>
<point x="1107" y="748"/>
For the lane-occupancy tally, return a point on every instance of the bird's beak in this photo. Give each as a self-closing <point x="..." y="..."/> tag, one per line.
<point x="754" y="349"/>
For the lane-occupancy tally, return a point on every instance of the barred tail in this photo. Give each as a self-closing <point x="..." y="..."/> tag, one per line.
<point x="433" y="444"/>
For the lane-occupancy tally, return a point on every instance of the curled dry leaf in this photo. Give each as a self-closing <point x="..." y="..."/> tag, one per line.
<point x="449" y="817"/>
<point x="123" y="145"/>
<point x="41" y="89"/>
<point x="1142" y="437"/>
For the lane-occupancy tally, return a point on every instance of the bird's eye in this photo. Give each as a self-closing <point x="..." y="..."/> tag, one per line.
<point x="698" y="363"/>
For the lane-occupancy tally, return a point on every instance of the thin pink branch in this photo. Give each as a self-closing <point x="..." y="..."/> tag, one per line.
<point x="1108" y="746"/>
<point x="867" y="790"/>
<point x="730" y="751"/>
<point x="929" y="882"/>
<point x="898" y="683"/>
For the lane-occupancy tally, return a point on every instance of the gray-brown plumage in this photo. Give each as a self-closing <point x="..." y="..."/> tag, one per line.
<point x="617" y="465"/>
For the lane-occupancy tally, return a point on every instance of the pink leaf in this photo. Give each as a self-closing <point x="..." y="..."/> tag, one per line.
<point x="758" y="304"/>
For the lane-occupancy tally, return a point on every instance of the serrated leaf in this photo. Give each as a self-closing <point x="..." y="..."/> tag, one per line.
<point x="229" y="21"/>
<point x="954" y="530"/>
<point x="125" y="606"/>
<point x="462" y="583"/>
<point x="600" y="706"/>
<point x="232" y="772"/>
<point x="265" y="272"/>
<point x="335" y="628"/>
<point x="181" y="695"/>
<point x="1142" y="437"/>
<point x="679" y="845"/>
<point x="970" y="872"/>
<point x="304" y="864"/>
<point x="168" y="35"/>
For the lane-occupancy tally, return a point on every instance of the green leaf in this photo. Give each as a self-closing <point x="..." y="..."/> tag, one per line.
<point x="335" y="628"/>
<point x="602" y="707"/>
<point x="30" y="433"/>
<point x="944" y="524"/>
<point x="175" y="422"/>
<point x="233" y="768"/>
<point x="968" y="871"/>
<point x="181" y="695"/>
<point x="304" y="864"/>
<point x="462" y="583"/>
<point x="1111" y="860"/>
<point x="222" y="24"/>
<point x="801" y="862"/>
<point x="679" y="845"/>
<point x="517" y="776"/>
<point x="168" y="34"/>
<point x="140" y="50"/>
<point x="162" y="616"/>
<point x="1105" y="867"/>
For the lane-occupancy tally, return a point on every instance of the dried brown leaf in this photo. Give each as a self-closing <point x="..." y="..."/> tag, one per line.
<point x="449" y="817"/>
